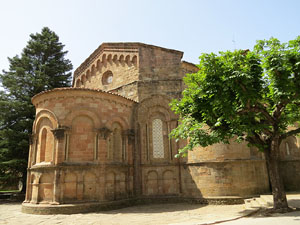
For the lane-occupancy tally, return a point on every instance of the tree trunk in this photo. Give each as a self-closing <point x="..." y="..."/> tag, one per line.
<point x="272" y="159"/>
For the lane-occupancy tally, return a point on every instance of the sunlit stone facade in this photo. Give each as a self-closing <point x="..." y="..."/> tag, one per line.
<point x="105" y="142"/>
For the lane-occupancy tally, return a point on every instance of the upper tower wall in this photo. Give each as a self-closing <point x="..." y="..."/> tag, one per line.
<point x="109" y="67"/>
<point x="127" y="69"/>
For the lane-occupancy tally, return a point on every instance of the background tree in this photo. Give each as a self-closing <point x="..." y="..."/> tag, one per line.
<point x="251" y="95"/>
<point x="41" y="66"/>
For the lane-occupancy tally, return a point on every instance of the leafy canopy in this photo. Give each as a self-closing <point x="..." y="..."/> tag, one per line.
<point x="251" y="95"/>
<point x="41" y="66"/>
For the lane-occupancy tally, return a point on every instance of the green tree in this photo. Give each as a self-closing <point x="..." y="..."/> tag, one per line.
<point x="41" y="66"/>
<point x="252" y="96"/>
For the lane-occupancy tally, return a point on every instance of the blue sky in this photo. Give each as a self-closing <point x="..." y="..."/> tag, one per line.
<point x="191" y="26"/>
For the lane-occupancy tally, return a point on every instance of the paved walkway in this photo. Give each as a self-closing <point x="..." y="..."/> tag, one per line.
<point x="155" y="214"/>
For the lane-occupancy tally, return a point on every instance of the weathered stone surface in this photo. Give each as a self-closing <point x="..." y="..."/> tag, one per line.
<point x="105" y="142"/>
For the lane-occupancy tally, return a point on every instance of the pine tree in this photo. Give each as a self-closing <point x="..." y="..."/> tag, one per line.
<point x="41" y="66"/>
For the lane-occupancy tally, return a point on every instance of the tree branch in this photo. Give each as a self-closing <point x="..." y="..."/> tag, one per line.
<point x="255" y="139"/>
<point x="280" y="107"/>
<point x="257" y="110"/>
<point x="268" y="132"/>
<point x="290" y="133"/>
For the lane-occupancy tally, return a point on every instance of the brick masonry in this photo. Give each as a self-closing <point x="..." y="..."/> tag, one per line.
<point x="106" y="139"/>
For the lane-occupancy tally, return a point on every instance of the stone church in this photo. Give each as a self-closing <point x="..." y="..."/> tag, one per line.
<point x="104" y="142"/>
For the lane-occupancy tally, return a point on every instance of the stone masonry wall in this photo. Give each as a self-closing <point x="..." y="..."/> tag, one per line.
<point x="88" y="126"/>
<point x="107" y="139"/>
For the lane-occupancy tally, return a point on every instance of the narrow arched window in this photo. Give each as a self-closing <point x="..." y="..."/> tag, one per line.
<point x="287" y="147"/>
<point x="157" y="139"/>
<point x="43" y="145"/>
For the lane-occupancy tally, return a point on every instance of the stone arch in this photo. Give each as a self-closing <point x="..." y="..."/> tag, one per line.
<point x="104" y="59"/>
<point x="154" y="104"/>
<point x="78" y="82"/>
<point x="115" y="59"/>
<point x="89" y="188"/>
<point x="88" y="73"/>
<point x="160" y="112"/>
<point x="109" y="58"/>
<point x="83" y="78"/>
<point x="148" y="112"/>
<point x="152" y="183"/>
<point x="127" y="60"/>
<point x="121" y="59"/>
<point x="45" y="114"/>
<point x="44" y="147"/>
<point x="45" y="188"/>
<point x="98" y="65"/>
<point x="88" y="77"/>
<point x="82" y="112"/>
<point x="110" y="186"/>
<point x="70" y="186"/>
<point x="93" y="71"/>
<point x="82" y="138"/>
<point x="122" y="121"/>
<point x="134" y="60"/>
<point x="169" y="182"/>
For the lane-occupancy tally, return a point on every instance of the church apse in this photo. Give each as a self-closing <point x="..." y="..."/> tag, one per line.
<point x="104" y="143"/>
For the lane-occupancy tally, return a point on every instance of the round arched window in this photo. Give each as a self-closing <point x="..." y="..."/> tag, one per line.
<point x="107" y="77"/>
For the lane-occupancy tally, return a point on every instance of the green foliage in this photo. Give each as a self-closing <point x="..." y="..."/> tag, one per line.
<point x="41" y="66"/>
<point x="11" y="171"/>
<point x="251" y="95"/>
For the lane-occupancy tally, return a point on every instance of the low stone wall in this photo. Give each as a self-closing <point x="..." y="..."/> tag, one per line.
<point x="228" y="178"/>
<point x="290" y="171"/>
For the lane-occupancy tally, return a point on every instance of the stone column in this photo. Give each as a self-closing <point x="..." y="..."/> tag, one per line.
<point x="169" y="141"/>
<point x="56" y="187"/>
<point x="128" y="138"/>
<point x="35" y="189"/>
<point x="136" y="158"/>
<point x="61" y="137"/>
<point x="103" y="134"/>
<point x="58" y="155"/>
